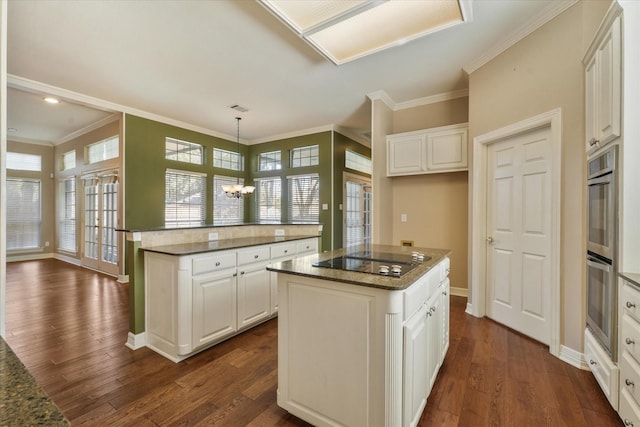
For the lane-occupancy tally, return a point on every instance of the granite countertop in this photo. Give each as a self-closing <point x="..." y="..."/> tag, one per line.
<point x="303" y="266"/>
<point x="22" y="400"/>
<point x="221" y="245"/>
<point x="195" y="227"/>
<point x="631" y="277"/>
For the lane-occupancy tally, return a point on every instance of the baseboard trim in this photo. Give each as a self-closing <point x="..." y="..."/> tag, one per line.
<point x="469" y="309"/>
<point x="573" y="358"/>
<point x="123" y="278"/>
<point x="68" y="259"/>
<point x="29" y="257"/>
<point x="134" y="342"/>
<point x="459" y="292"/>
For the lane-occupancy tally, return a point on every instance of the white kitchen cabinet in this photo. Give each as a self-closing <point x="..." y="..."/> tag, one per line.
<point x="358" y="355"/>
<point x="214" y="307"/>
<point x="416" y="352"/>
<point x="441" y="149"/>
<point x="604" y="370"/>
<point x="446" y="310"/>
<point x="603" y="86"/>
<point x="195" y="301"/>
<point x="629" y="351"/>
<point x="254" y="294"/>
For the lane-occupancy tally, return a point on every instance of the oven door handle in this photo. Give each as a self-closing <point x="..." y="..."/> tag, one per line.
<point x="596" y="263"/>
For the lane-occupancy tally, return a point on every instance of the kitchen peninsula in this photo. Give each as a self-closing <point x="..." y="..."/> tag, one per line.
<point x="361" y="346"/>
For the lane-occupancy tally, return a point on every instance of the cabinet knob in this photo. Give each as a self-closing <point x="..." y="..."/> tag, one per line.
<point x="629" y="382"/>
<point x="286" y="251"/>
<point x="490" y="239"/>
<point x="629" y="341"/>
<point x="593" y="141"/>
<point x="256" y="256"/>
<point x="432" y="309"/>
<point x="630" y="304"/>
<point x="242" y="272"/>
<point x="628" y="422"/>
<point x="592" y="362"/>
<point x="218" y="264"/>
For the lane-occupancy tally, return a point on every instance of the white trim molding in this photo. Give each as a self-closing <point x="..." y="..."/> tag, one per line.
<point x="135" y="342"/>
<point x="478" y="207"/>
<point x="555" y="8"/>
<point x="573" y="358"/>
<point x="459" y="292"/>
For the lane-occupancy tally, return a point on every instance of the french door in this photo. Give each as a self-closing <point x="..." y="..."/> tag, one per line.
<point x="101" y="248"/>
<point x="356" y="211"/>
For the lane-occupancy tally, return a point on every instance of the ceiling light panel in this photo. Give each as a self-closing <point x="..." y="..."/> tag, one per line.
<point x="346" y="30"/>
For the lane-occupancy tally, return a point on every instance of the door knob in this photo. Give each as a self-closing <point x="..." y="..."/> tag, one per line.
<point x="490" y="239"/>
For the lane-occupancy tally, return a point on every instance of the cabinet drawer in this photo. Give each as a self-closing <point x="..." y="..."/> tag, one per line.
<point x="630" y="375"/>
<point x="629" y="411"/>
<point x="604" y="370"/>
<point x="283" y="250"/>
<point x="307" y="246"/>
<point x="415" y="295"/>
<point x="208" y="263"/>
<point x="630" y="301"/>
<point x="630" y="336"/>
<point x="253" y="254"/>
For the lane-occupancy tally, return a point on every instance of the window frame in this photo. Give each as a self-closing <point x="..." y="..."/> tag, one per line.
<point x="191" y="146"/>
<point x="202" y="206"/>
<point x="293" y="206"/>
<point x="220" y="198"/>
<point x="276" y="205"/>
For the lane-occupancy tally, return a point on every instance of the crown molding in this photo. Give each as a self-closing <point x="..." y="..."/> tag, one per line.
<point x="554" y="9"/>
<point x="30" y="141"/>
<point x="381" y="95"/>
<point x="33" y="86"/>
<point x="293" y="134"/>
<point x="352" y="135"/>
<point x="461" y="93"/>
<point x="102" y="122"/>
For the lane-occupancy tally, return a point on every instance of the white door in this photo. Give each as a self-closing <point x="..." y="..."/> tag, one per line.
<point x="519" y="233"/>
<point x="101" y="248"/>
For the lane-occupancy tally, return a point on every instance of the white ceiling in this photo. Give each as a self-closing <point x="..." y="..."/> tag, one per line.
<point x="188" y="61"/>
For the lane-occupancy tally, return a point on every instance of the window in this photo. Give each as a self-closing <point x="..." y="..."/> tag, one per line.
<point x="103" y="150"/>
<point x="268" y="200"/>
<point x="68" y="160"/>
<point x="23" y="213"/>
<point x="304" y="198"/>
<point x="357" y="162"/>
<point x="227" y="160"/>
<point x="24" y="162"/>
<point x="67" y="215"/>
<point x="270" y="161"/>
<point x="184" y="204"/>
<point x="305" y="156"/>
<point x="226" y="210"/>
<point x="183" y="151"/>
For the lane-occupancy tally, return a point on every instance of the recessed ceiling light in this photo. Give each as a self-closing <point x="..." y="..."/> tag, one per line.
<point x="51" y="100"/>
<point x="346" y="30"/>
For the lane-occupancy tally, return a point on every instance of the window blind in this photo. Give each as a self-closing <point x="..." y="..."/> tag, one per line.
<point x="67" y="215"/>
<point x="184" y="199"/>
<point x="24" y="162"/>
<point x="103" y="150"/>
<point x="226" y="210"/>
<point x="304" y="198"/>
<point x="69" y="160"/>
<point x="269" y="200"/>
<point x="23" y="213"/>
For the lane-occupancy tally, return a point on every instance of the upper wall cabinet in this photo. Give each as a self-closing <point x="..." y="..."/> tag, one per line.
<point x="603" y="81"/>
<point x="441" y="149"/>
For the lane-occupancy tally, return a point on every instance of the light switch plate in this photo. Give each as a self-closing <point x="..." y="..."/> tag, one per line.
<point x="279" y="232"/>
<point x="213" y="236"/>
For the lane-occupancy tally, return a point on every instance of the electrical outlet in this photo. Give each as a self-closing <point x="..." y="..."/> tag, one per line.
<point x="213" y="236"/>
<point x="403" y="218"/>
<point x="279" y="232"/>
<point x="46" y="244"/>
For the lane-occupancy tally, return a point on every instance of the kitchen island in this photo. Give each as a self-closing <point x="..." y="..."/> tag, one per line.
<point x="359" y="348"/>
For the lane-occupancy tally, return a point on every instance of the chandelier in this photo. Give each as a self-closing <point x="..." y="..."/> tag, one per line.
<point x="237" y="190"/>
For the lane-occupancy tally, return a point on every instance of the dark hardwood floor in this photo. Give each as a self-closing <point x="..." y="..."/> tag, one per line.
<point x="68" y="325"/>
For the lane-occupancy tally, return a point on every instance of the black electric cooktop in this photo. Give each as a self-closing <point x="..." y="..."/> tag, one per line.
<point x="373" y="262"/>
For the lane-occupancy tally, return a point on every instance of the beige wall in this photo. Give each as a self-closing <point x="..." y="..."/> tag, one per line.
<point x="437" y="210"/>
<point x="542" y="72"/>
<point x="436" y="205"/>
<point x="381" y="126"/>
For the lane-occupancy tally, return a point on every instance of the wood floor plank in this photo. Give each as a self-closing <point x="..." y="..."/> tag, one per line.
<point x="69" y="325"/>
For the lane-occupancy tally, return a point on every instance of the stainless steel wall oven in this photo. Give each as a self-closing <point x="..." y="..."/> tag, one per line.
<point x="602" y="292"/>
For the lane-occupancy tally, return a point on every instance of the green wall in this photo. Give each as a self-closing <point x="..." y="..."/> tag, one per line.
<point x="145" y="166"/>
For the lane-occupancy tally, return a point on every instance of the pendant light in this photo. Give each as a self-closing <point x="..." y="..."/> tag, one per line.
<point x="237" y="190"/>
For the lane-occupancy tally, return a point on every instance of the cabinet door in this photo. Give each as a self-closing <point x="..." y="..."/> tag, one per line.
<point x="447" y="150"/>
<point x="253" y="294"/>
<point x="608" y="83"/>
<point x="214" y="307"/>
<point x="590" y="104"/>
<point x="434" y="337"/>
<point x="444" y="311"/>
<point x="406" y="155"/>
<point x="415" y="367"/>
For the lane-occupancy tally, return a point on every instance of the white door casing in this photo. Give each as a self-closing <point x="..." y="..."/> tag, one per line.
<point x="477" y="305"/>
<point x="518" y="228"/>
